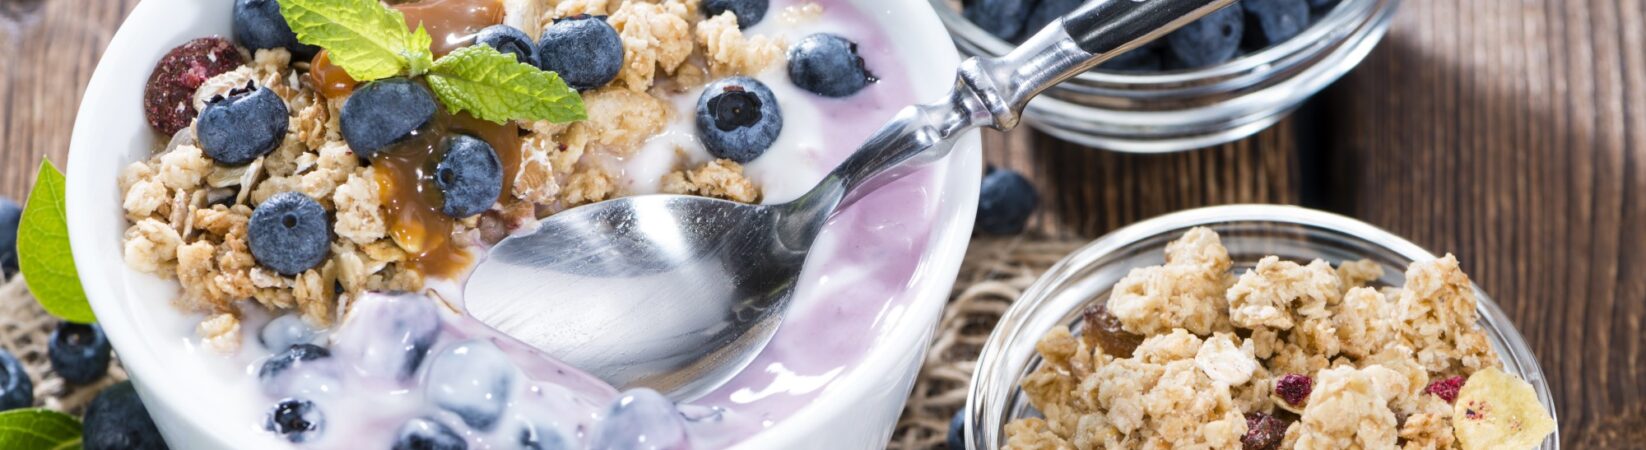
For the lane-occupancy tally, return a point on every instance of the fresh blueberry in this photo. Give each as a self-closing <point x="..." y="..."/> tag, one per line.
<point x="640" y="419"/>
<point x="1046" y="12"/>
<point x="294" y="356"/>
<point x="957" y="431"/>
<point x="1270" y="22"/>
<point x="389" y="335"/>
<point x="469" y="175"/>
<point x="296" y="420"/>
<point x="748" y="12"/>
<point x="1002" y="18"/>
<point x="237" y="129"/>
<point x="1005" y="203"/>
<point x="10" y="216"/>
<point x="584" y="50"/>
<point x="117" y="420"/>
<point x="286" y="331"/>
<point x="289" y="233"/>
<point x="1142" y="59"/>
<point x="16" y="390"/>
<point x="78" y="352"/>
<point x="258" y="24"/>
<point x="473" y="380"/>
<point x="738" y="118"/>
<point x="426" y="434"/>
<point x="384" y="112"/>
<point x="509" y="40"/>
<point x="828" y="65"/>
<point x="532" y="437"/>
<point x="1211" y="40"/>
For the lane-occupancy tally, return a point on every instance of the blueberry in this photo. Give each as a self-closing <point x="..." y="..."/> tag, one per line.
<point x="1211" y="40"/>
<point x="738" y="118"/>
<point x="533" y="437"/>
<point x="509" y="40"/>
<point x="748" y="12"/>
<point x="584" y="50"/>
<point x="1142" y="59"/>
<point x="384" y="112"/>
<point x="1002" y="18"/>
<point x="1322" y="4"/>
<point x="117" y="420"/>
<point x="426" y="434"/>
<point x="1270" y="22"/>
<point x="286" y="331"/>
<point x="289" y="233"/>
<point x="473" y="380"/>
<point x="237" y="129"/>
<point x="294" y="356"/>
<point x="16" y="390"/>
<point x="1047" y="12"/>
<point x="469" y="176"/>
<point x="389" y="335"/>
<point x="78" y="352"/>
<point x="828" y="65"/>
<point x="1005" y="203"/>
<point x="296" y="420"/>
<point x="957" y="431"/>
<point x="10" y="216"/>
<point x="258" y="24"/>
<point x="640" y="419"/>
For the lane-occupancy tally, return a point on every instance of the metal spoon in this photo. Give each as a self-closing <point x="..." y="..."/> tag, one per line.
<point x="680" y="293"/>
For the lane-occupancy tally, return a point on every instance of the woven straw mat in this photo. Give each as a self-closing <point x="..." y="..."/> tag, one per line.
<point x="994" y="273"/>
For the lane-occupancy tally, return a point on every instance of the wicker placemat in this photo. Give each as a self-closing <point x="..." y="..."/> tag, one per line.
<point x="995" y="272"/>
<point x="24" y="330"/>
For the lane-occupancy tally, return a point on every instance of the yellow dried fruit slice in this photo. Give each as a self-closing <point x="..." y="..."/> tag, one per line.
<point x="1496" y="410"/>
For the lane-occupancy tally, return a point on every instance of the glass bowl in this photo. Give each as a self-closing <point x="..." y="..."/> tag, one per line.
<point x="1193" y="108"/>
<point x="1250" y="232"/>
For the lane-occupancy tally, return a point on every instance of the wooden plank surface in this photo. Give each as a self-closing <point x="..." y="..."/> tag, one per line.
<point x="1509" y="132"/>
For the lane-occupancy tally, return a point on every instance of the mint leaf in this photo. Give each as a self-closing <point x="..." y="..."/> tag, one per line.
<point x="368" y="40"/>
<point x="495" y="87"/>
<point x="418" y="56"/>
<point x="38" y="428"/>
<point x="43" y="250"/>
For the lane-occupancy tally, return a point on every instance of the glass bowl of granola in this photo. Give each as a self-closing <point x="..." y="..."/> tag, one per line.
<point x="1255" y="326"/>
<point x="273" y="276"/>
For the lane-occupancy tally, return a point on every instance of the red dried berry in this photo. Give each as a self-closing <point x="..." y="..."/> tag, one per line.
<point x="168" y="98"/>
<point x="1294" y="388"/>
<point x="1105" y="329"/>
<point x="1446" y="388"/>
<point x="1263" y="432"/>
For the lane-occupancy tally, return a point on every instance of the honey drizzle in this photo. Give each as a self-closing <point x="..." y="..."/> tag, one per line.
<point x="452" y="23"/>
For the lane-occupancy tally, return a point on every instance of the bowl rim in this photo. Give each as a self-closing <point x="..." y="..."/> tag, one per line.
<point x="1017" y="316"/>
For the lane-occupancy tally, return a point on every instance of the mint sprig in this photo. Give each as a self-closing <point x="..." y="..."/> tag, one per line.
<point x="38" y="428"/>
<point x="371" y="41"/>
<point x="43" y="250"/>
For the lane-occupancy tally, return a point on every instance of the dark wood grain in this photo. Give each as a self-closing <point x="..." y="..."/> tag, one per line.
<point x="1509" y="132"/>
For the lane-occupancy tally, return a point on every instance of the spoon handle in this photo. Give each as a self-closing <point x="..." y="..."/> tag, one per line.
<point x="993" y="91"/>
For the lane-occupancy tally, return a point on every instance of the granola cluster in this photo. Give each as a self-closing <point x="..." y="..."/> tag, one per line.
<point x="1189" y="355"/>
<point x="188" y="215"/>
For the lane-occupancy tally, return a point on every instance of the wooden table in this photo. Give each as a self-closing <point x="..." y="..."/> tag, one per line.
<point x="1509" y="132"/>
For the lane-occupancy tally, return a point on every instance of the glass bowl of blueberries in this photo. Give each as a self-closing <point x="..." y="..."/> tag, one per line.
<point x="1218" y="79"/>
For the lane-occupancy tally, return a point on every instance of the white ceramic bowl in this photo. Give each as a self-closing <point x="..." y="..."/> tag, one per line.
<point x="184" y="393"/>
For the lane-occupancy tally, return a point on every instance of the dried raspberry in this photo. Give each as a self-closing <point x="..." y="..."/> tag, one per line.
<point x="167" y="101"/>
<point x="1105" y="329"/>
<point x="1294" y="388"/>
<point x="1446" y="389"/>
<point x="1263" y="432"/>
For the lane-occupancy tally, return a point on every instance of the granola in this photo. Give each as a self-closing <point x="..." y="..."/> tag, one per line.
<point x="1338" y="363"/>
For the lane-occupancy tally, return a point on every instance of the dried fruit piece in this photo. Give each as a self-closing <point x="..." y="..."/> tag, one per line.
<point x="1104" y="328"/>
<point x="1446" y="388"/>
<point x="1497" y="411"/>
<point x="168" y="98"/>
<point x="1294" y="388"/>
<point x="1263" y="432"/>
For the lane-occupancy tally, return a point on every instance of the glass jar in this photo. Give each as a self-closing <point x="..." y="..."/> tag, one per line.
<point x="1250" y="232"/>
<point x="1193" y="108"/>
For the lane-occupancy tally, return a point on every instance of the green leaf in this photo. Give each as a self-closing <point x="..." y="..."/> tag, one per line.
<point x="43" y="250"/>
<point x="495" y="87"/>
<point x="368" y="40"/>
<point x="418" y="56"/>
<point x="38" y="428"/>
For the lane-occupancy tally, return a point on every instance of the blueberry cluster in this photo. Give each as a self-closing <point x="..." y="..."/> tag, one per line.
<point x="79" y="354"/>
<point x="1247" y="26"/>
